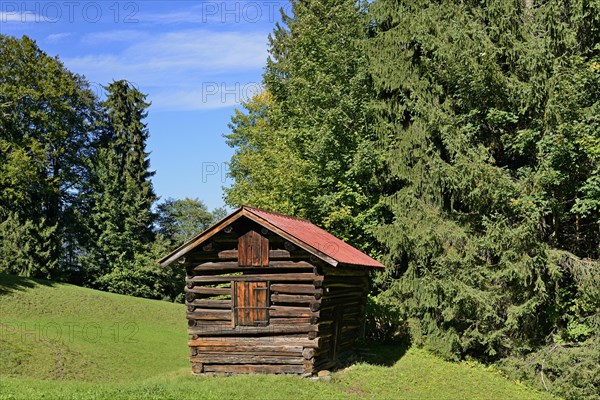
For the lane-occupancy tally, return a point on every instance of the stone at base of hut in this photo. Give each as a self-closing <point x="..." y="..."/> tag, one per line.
<point x="323" y="375"/>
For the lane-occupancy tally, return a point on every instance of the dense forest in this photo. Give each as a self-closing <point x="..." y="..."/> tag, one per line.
<point x="458" y="142"/>
<point x="76" y="198"/>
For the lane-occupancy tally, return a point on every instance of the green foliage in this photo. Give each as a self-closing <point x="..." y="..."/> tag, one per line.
<point x="305" y="146"/>
<point x="463" y="136"/>
<point x="383" y="321"/>
<point x="47" y="118"/>
<point x="181" y="219"/>
<point x="23" y="245"/>
<point x="482" y="116"/>
<point x="267" y="173"/>
<point x="570" y="371"/>
<point x="119" y="198"/>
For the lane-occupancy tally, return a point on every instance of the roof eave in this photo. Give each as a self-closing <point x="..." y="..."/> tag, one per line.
<point x="200" y="238"/>
<point x="377" y="266"/>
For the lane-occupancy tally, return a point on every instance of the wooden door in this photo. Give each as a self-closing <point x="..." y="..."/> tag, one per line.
<point x="251" y="303"/>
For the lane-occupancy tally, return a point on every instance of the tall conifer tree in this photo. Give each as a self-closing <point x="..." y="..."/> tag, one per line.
<point x="488" y="112"/>
<point x="121" y="193"/>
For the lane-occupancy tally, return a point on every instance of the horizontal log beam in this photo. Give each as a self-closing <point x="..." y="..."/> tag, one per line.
<point x="232" y="254"/>
<point x="289" y="288"/>
<point x="253" y="349"/>
<point x="288" y="298"/>
<point x="210" y="315"/>
<point x="284" y="321"/>
<point x="256" y="369"/>
<point x="299" y="276"/>
<point x="208" y="290"/>
<point x="208" y="303"/>
<point x="246" y="359"/>
<point x="227" y="330"/>
<point x="294" y="312"/>
<point x="255" y="341"/>
<point x="227" y="266"/>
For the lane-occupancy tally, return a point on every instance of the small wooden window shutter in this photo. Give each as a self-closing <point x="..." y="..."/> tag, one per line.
<point x="253" y="250"/>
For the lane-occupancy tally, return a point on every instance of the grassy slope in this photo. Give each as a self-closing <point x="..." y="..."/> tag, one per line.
<point x="63" y="341"/>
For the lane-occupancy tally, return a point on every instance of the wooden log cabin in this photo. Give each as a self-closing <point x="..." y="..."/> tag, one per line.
<point x="268" y="293"/>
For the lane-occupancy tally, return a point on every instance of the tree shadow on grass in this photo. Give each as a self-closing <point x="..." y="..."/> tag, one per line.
<point x="13" y="283"/>
<point x="387" y="335"/>
<point x="382" y="354"/>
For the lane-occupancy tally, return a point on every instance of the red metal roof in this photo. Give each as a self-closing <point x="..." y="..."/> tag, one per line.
<point x="318" y="238"/>
<point x="301" y="232"/>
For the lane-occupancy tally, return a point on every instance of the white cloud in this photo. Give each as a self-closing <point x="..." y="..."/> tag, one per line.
<point x="113" y="36"/>
<point x="17" y="16"/>
<point x="210" y="95"/>
<point x="55" y="37"/>
<point x="178" y="68"/>
<point x="225" y="12"/>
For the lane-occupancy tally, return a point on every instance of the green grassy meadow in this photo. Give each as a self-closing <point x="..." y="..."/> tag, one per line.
<point x="67" y="342"/>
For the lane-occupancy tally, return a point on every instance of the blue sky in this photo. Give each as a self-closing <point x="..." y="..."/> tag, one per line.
<point x="196" y="60"/>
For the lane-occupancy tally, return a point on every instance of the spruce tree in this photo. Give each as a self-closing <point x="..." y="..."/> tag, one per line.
<point x="121" y="194"/>
<point x="488" y="112"/>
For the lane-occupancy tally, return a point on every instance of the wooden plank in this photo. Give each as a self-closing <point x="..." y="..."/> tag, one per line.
<point x="210" y="303"/>
<point x="205" y="323"/>
<point x="251" y="349"/>
<point x="287" y="340"/>
<point x="208" y="290"/>
<point x="227" y="330"/>
<point x="232" y="266"/>
<point x="255" y="369"/>
<point x="287" y="298"/>
<point x="210" y="315"/>
<point x="285" y="321"/>
<point x="241" y="316"/>
<point x="232" y="254"/>
<point x="278" y="254"/>
<point x="290" y="288"/>
<point x="228" y="254"/>
<point x="251" y="303"/>
<point x="298" y="276"/>
<point x="214" y="358"/>
<point x="295" y="312"/>
<point x="196" y="241"/>
<point x="212" y="266"/>
<point x="234" y="296"/>
<point x="261" y="302"/>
